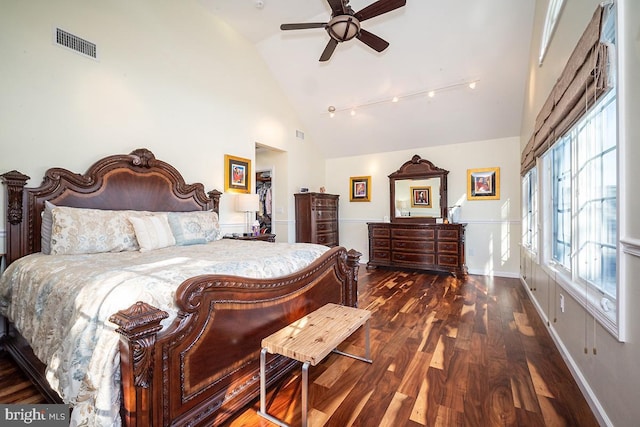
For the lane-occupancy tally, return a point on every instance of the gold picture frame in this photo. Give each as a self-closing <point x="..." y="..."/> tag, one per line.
<point x="237" y="174"/>
<point x="483" y="184"/>
<point x="421" y="197"/>
<point x="360" y="189"/>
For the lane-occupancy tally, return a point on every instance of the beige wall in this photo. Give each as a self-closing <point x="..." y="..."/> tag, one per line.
<point x="493" y="226"/>
<point x="610" y="377"/>
<point x="169" y="77"/>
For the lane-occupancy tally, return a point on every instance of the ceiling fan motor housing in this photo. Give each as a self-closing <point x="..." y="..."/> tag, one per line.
<point x="343" y="27"/>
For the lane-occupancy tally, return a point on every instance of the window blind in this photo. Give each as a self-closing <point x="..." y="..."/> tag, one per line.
<point x="583" y="81"/>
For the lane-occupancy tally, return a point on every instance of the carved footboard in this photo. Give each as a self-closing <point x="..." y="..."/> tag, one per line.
<point x="205" y="366"/>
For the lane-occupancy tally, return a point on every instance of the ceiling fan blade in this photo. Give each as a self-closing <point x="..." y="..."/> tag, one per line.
<point x="328" y="51"/>
<point x="337" y="7"/>
<point x="373" y="41"/>
<point x="303" y="26"/>
<point x="378" y="8"/>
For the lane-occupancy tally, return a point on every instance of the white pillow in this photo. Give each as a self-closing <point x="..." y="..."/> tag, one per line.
<point x="45" y="230"/>
<point x="88" y="231"/>
<point x="153" y="231"/>
<point x="191" y="228"/>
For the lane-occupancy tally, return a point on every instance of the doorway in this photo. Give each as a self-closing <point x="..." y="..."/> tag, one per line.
<point x="265" y="194"/>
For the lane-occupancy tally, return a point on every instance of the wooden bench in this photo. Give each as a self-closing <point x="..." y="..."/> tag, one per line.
<point x="309" y="340"/>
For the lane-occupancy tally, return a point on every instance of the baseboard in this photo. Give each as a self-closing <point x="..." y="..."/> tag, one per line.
<point x="592" y="400"/>
<point x="508" y="274"/>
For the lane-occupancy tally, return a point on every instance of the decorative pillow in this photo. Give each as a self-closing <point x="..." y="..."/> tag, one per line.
<point x="45" y="230"/>
<point x="191" y="228"/>
<point x="153" y="231"/>
<point x="88" y="231"/>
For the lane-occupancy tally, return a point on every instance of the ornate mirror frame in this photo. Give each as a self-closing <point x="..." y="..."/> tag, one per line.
<point x="418" y="176"/>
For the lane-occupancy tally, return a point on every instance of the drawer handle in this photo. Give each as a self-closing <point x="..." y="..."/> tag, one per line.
<point x="399" y="256"/>
<point x="400" y="244"/>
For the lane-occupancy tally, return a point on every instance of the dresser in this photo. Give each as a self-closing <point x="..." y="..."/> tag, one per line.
<point x="317" y="218"/>
<point x="434" y="247"/>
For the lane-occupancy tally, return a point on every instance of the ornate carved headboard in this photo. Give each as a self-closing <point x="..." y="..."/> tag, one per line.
<point x="136" y="181"/>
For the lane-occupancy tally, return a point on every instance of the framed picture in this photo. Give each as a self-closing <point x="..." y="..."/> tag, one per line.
<point x="237" y="174"/>
<point x="421" y="197"/>
<point x="360" y="189"/>
<point x="483" y="184"/>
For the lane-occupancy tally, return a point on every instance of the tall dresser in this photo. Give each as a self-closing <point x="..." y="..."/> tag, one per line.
<point x="317" y="218"/>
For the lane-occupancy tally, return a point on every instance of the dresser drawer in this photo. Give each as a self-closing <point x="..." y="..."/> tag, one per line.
<point x="324" y="202"/>
<point x="448" y="247"/>
<point x="448" y="234"/>
<point x="326" y="226"/>
<point x="414" y="258"/>
<point x="380" y="243"/>
<point x="413" y="245"/>
<point x="326" y="215"/>
<point x="448" y="260"/>
<point x="329" y="239"/>
<point x="380" y="255"/>
<point x="413" y="234"/>
<point x="380" y="232"/>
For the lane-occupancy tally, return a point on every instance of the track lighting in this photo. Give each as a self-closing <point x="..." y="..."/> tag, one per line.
<point x="471" y="84"/>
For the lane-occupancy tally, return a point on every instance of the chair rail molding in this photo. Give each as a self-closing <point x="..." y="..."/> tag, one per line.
<point x="630" y="246"/>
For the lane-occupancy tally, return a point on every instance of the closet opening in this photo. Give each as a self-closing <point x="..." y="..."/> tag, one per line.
<point x="264" y="191"/>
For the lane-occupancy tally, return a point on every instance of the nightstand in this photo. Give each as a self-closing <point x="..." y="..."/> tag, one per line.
<point x="264" y="237"/>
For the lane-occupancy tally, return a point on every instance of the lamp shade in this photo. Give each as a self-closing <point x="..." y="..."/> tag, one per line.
<point x="247" y="203"/>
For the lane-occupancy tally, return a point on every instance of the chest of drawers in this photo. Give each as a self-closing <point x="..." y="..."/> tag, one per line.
<point x="435" y="247"/>
<point x="317" y="218"/>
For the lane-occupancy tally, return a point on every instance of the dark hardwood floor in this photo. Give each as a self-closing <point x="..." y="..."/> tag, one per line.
<point x="446" y="352"/>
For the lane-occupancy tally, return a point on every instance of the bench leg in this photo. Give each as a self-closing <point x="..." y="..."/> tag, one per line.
<point x="263" y="392"/>
<point x="367" y="347"/>
<point x="305" y="393"/>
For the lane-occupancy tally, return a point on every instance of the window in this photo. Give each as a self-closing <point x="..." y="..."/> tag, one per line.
<point x="530" y="210"/>
<point x="583" y="183"/>
<point x="553" y="13"/>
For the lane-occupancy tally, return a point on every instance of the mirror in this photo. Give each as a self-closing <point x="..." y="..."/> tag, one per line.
<point x="418" y="192"/>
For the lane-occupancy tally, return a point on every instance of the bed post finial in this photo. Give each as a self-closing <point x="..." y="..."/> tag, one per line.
<point x="214" y="195"/>
<point x="15" y="182"/>
<point x="17" y="229"/>
<point x="138" y="325"/>
<point x="353" y="262"/>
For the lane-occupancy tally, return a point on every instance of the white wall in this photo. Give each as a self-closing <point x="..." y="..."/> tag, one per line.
<point x="493" y="226"/>
<point x="169" y="77"/>
<point x="610" y="378"/>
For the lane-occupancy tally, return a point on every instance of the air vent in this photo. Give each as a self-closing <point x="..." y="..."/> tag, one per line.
<point x="299" y="134"/>
<point x="75" y="43"/>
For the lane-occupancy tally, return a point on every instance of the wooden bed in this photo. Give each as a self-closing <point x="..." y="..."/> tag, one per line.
<point x="204" y="367"/>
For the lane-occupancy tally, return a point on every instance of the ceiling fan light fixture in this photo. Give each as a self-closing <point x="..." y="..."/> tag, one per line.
<point x="343" y="27"/>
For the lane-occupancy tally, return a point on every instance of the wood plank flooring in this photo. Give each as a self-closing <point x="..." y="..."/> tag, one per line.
<point x="446" y="352"/>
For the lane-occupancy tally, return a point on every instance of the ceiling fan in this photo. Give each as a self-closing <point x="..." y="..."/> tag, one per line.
<point x="345" y="24"/>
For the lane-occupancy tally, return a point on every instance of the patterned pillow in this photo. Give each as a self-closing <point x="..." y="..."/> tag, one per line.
<point x="153" y="231"/>
<point x="191" y="228"/>
<point x="88" y="231"/>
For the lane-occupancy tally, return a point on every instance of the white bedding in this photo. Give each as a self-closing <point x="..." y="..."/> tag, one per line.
<point x="61" y="304"/>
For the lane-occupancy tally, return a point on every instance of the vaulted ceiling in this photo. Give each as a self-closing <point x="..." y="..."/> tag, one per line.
<point x="435" y="46"/>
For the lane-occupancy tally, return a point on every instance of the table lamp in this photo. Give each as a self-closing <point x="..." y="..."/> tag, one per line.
<point x="247" y="203"/>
